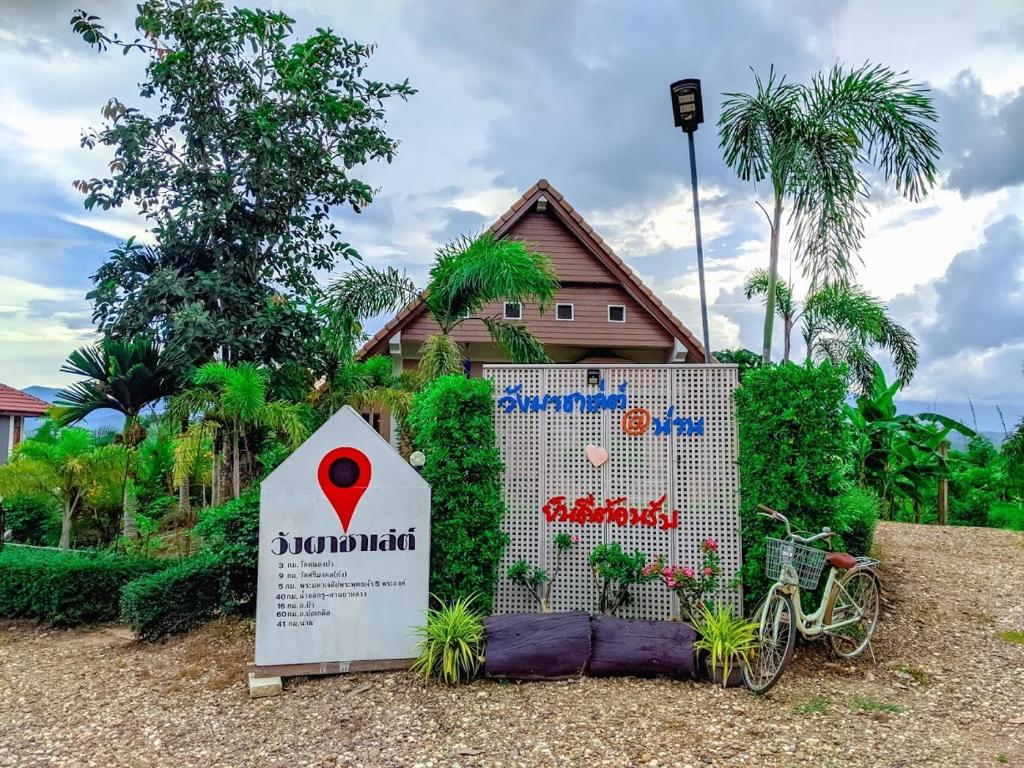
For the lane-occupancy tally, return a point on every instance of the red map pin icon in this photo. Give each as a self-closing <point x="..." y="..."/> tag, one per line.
<point x="344" y="474"/>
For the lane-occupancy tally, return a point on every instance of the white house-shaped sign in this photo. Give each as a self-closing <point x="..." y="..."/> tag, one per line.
<point x="344" y="554"/>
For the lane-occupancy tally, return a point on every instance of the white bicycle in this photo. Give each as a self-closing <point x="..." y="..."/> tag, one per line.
<point x="847" y="614"/>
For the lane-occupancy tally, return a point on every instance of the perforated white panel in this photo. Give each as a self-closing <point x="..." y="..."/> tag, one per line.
<point x="687" y="453"/>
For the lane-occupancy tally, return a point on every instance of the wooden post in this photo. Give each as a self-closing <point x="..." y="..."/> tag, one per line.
<point x="943" y="498"/>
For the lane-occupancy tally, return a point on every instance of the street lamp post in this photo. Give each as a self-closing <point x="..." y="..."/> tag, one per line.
<point x="688" y="109"/>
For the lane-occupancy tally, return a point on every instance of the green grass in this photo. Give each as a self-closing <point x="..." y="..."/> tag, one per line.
<point x="1015" y="636"/>
<point x="1002" y="758"/>
<point x="871" y="705"/>
<point x="816" y="705"/>
<point x="918" y="676"/>
<point x="1007" y="514"/>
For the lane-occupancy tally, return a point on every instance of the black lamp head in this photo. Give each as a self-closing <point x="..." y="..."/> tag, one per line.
<point x="687" y="105"/>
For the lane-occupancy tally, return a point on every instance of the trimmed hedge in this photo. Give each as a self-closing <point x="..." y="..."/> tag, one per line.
<point x="177" y="599"/>
<point x="452" y="422"/>
<point x="856" y="515"/>
<point x="65" y="588"/>
<point x="795" y="448"/>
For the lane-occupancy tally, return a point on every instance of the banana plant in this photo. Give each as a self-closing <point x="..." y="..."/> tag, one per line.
<point x="898" y="454"/>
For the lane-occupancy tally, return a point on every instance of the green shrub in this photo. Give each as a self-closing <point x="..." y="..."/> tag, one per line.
<point x="232" y="533"/>
<point x="65" y="588"/>
<point x="452" y="423"/>
<point x="176" y="599"/>
<point x="450" y="643"/>
<point x="856" y="514"/>
<point x="794" y="450"/>
<point x="616" y="571"/>
<point x="32" y="519"/>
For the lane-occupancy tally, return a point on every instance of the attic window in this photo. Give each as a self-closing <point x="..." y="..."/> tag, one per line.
<point x="616" y="313"/>
<point x="564" y="312"/>
<point x="513" y="310"/>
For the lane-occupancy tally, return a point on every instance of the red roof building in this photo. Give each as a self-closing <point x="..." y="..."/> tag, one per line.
<point x="15" y="407"/>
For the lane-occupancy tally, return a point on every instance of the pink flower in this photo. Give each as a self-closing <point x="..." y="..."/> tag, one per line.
<point x="575" y="539"/>
<point x="688" y="572"/>
<point x="708" y="571"/>
<point x="710" y="544"/>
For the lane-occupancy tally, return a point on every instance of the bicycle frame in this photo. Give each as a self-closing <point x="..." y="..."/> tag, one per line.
<point x="812" y="625"/>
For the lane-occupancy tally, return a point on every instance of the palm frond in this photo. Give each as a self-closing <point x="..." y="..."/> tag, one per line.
<point x="516" y="341"/>
<point x="286" y="419"/>
<point x="190" y="448"/>
<point x="470" y="273"/>
<point x="756" y="284"/>
<point x="368" y="292"/>
<point x="440" y="355"/>
<point x="391" y="399"/>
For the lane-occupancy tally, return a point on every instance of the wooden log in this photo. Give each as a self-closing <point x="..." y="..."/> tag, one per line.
<point x="642" y="648"/>
<point x="537" y="646"/>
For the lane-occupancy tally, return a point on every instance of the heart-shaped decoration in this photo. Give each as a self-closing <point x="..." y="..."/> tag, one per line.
<point x="596" y="455"/>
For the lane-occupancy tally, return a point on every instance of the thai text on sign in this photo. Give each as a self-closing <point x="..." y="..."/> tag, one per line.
<point x="585" y="510"/>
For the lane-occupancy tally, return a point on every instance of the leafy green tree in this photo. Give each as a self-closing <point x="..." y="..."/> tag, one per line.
<point x="253" y="139"/>
<point x="229" y="410"/>
<point x="467" y="275"/>
<point x="66" y="465"/>
<point x="811" y="143"/>
<point x="744" y="358"/>
<point x="841" y="323"/>
<point x="124" y="376"/>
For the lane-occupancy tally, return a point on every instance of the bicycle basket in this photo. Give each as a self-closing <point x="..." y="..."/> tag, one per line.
<point x="806" y="561"/>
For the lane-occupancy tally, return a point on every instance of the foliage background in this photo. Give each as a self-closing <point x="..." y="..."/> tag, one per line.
<point x="452" y="421"/>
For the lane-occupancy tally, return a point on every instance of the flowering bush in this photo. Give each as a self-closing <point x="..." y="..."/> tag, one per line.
<point x="690" y="585"/>
<point x="536" y="580"/>
<point x="615" y="572"/>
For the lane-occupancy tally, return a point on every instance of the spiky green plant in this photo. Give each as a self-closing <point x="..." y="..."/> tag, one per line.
<point x="451" y="643"/>
<point x="124" y="376"/>
<point x="727" y="638"/>
<point x="468" y="274"/>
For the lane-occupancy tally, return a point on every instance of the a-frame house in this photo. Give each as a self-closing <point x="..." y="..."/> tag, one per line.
<point x="603" y="312"/>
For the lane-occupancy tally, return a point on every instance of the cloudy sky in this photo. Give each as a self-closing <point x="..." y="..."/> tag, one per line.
<point x="575" y="91"/>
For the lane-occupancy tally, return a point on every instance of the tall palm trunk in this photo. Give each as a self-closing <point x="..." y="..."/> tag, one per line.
<point x="65" y="527"/>
<point x="788" y="341"/>
<point x="129" y="502"/>
<point x="773" y="276"/>
<point x="236" y="476"/>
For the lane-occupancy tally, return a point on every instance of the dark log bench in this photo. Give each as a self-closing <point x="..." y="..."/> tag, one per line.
<point x="642" y="648"/>
<point x="537" y="646"/>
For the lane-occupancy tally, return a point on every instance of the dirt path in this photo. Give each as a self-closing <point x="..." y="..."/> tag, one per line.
<point x="946" y="691"/>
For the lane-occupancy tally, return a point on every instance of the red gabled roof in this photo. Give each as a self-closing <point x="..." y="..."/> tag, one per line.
<point x="591" y="240"/>
<point x="17" y="402"/>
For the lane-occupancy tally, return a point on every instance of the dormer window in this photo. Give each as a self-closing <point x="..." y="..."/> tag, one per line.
<point x="616" y="313"/>
<point x="564" y="312"/>
<point x="513" y="310"/>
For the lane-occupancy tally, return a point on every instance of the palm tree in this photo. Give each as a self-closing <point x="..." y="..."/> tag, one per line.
<point x="467" y="274"/>
<point x="124" y="376"/>
<point x="811" y="142"/>
<point x="67" y="465"/>
<point x="841" y="323"/>
<point x="231" y="409"/>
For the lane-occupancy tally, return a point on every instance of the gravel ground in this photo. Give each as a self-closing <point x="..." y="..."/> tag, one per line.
<point x="944" y="690"/>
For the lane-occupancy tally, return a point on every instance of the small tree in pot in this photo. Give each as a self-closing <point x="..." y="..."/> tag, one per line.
<point x="537" y="581"/>
<point x="615" y="572"/>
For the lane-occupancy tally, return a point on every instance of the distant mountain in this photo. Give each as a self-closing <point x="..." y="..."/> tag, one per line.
<point x="104" y="420"/>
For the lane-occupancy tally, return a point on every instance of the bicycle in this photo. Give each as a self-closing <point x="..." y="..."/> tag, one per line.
<point x="847" y="614"/>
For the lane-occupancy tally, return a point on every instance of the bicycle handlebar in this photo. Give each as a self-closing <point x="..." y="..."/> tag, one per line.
<point x="766" y="511"/>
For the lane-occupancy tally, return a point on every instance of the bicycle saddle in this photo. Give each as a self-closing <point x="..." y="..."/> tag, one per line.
<point x="840" y="560"/>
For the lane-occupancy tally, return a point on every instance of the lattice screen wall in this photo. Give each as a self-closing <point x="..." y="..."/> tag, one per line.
<point x="544" y="456"/>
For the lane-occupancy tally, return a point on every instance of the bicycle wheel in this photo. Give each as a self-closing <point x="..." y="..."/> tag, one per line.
<point x="855" y="599"/>
<point x="777" y="638"/>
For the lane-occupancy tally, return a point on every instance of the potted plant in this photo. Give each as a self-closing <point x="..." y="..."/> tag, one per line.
<point x="728" y="641"/>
